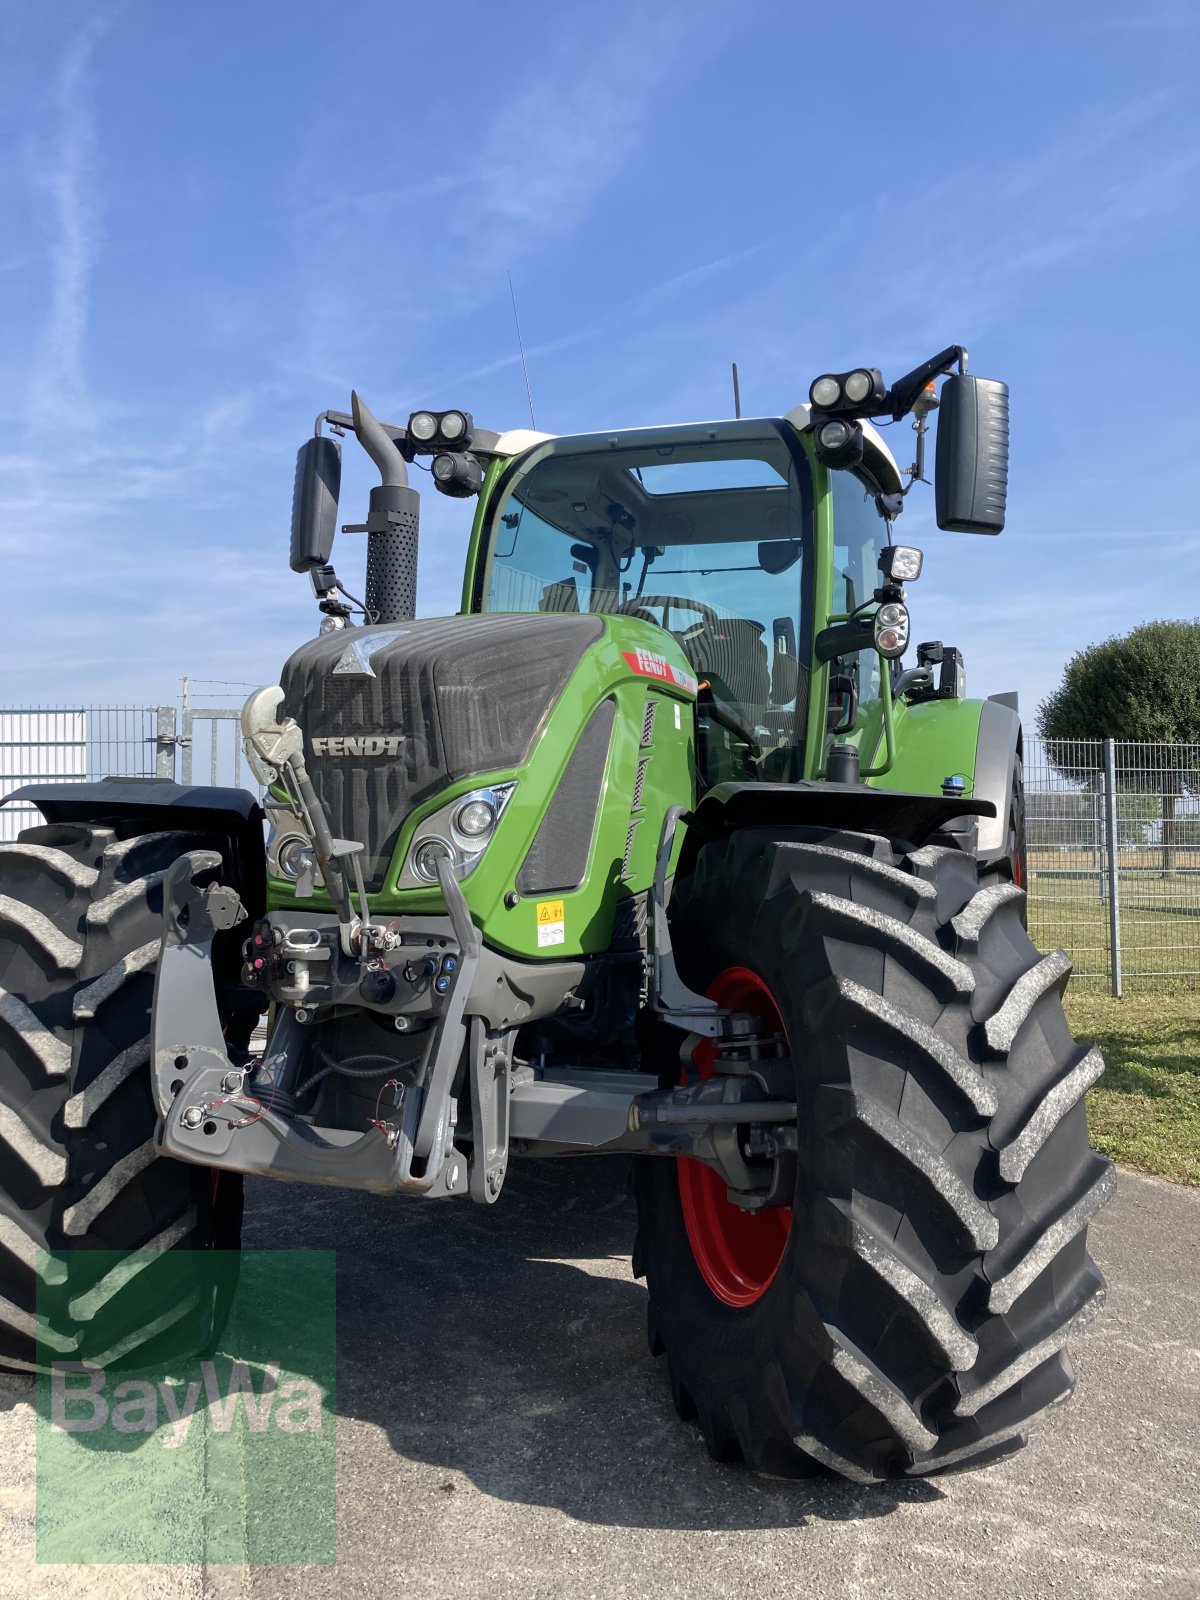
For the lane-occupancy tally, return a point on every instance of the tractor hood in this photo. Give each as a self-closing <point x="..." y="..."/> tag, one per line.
<point x="393" y="714"/>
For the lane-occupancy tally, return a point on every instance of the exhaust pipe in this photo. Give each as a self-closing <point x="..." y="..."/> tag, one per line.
<point x="393" y="524"/>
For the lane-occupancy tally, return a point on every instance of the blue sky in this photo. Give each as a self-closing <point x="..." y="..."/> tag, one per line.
<point x="215" y="220"/>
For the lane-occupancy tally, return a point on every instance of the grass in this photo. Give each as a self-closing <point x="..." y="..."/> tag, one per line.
<point x="1145" y="1111"/>
<point x="1160" y="922"/>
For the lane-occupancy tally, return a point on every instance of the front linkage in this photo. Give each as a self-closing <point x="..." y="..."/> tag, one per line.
<point x="446" y="998"/>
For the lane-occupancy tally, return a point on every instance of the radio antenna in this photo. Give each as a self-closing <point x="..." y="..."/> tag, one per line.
<point x="737" y="392"/>
<point x="521" y="347"/>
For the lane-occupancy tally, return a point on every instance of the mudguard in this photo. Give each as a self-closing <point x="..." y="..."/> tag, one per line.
<point x="159" y="803"/>
<point x="998" y="746"/>
<point x="898" y="815"/>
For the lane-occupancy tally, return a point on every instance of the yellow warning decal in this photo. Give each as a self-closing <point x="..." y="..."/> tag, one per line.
<point x="550" y="911"/>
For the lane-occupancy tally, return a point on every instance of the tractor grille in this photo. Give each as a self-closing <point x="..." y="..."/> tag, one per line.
<point x="465" y="695"/>
<point x="648" y="722"/>
<point x="558" y="856"/>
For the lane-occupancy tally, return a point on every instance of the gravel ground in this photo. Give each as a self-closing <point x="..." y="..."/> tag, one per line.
<point x="502" y="1431"/>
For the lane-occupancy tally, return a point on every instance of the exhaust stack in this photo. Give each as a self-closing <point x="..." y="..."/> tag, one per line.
<point x="392" y="524"/>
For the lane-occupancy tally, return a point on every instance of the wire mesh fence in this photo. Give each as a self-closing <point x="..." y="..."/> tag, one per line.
<point x="69" y="744"/>
<point x="82" y="744"/>
<point x="1113" y="834"/>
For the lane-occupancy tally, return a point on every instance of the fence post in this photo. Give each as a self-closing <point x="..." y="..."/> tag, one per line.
<point x="164" y="743"/>
<point x="1110" y="841"/>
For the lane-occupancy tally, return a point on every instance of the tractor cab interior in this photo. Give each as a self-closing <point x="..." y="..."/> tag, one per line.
<point x="702" y="531"/>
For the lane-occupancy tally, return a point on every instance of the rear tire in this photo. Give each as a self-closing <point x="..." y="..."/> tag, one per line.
<point x="80" y="924"/>
<point x="936" y="1262"/>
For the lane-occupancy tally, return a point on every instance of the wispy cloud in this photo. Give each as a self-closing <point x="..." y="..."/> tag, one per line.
<point x="68" y="176"/>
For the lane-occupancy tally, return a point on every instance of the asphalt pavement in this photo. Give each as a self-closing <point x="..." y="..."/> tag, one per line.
<point x="503" y="1432"/>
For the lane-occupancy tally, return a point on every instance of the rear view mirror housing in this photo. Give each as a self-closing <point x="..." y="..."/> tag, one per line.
<point x="315" y="502"/>
<point x="971" y="469"/>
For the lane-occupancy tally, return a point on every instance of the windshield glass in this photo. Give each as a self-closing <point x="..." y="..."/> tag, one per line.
<point x="704" y="531"/>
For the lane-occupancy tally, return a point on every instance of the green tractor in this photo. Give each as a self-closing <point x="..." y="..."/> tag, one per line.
<point x="655" y="848"/>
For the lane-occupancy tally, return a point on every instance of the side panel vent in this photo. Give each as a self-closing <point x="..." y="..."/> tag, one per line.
<point x="639" y="783"/>
<point x="648" y="722"/>
<point x="558" y="856"/>
<point x="630" y="839"/>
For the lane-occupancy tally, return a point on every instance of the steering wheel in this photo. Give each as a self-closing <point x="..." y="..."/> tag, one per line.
<point x="638" y="606"/>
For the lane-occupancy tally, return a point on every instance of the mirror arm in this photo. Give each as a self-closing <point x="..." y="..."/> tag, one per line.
<point x="905" y="390"/>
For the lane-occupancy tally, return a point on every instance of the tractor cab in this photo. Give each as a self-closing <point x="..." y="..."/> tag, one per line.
<point x="708" y="534"/>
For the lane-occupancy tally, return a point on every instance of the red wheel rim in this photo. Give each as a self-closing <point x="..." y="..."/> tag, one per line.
<point x="738" y="1252"/>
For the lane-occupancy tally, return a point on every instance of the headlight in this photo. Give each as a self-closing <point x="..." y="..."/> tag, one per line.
<point x="462" y="830"/>
<point x="423" y="425"/>
<point x="454" y="425"/>
<point x="292" y="854"/>
<point x="825" y="392"/>
<point x="475" y="819"/>
<point x="426" y="855"/>
<point x="891" y="630"/>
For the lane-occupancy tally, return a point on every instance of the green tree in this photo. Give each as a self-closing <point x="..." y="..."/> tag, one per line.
<point x="1142" y="688"/>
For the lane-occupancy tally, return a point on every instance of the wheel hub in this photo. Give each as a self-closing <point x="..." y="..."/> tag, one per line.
<point x="738" y="1252"/>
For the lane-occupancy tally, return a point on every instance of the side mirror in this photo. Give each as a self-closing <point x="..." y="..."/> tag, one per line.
<point x="315" y="502"/>
<point x="971" y="471"/>
<point x="844" y="638"/>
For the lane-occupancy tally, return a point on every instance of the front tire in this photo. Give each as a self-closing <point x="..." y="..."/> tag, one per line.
<point x="80" y="925"/>
<point x="935" y="1263"/>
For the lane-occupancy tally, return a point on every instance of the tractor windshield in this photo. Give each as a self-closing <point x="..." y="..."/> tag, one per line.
<point x="705" y="531"/>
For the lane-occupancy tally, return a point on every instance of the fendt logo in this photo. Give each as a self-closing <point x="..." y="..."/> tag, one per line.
<point x="369" y="744"/>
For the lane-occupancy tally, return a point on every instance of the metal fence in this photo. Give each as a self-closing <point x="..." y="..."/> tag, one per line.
<point x="80" y="744"/>
<point x="1113" y="829"/>
<point x="1113" y="834"/>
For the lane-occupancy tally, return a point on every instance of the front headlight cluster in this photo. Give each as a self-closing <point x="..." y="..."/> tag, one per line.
<point x="461" y="830"/>
<point x="891" y="630"/>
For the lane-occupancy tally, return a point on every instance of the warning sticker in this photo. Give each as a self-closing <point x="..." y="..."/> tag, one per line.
<point x="551" y="923"/>
<point x="649" y="665"/>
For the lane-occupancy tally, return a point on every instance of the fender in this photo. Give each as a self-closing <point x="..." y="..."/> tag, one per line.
<point x="998" y="746"/>
<point x="159" y="803"/>
<point x="891" y="812"/>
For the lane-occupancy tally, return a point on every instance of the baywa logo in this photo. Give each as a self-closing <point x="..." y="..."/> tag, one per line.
<point x="81" y="1401"/>
<point x="177" y="1392"/>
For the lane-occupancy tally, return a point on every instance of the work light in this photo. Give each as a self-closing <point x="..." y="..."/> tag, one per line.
<point x="439" y="430"/>
<point x="457" y="475"/>
<point x="900" y="563"/>
<point x="839" y="443"/>
<point x="861" y="392"/>
<point x="857" y="386"/>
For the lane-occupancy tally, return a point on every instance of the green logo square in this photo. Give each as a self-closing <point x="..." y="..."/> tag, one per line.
<point x="152" y="1447"/>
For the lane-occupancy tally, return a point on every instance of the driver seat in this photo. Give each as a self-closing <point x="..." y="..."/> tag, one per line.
<point x="731" y="653"/>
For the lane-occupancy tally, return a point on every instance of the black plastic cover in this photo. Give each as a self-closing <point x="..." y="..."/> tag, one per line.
<point x="971" y="471"/>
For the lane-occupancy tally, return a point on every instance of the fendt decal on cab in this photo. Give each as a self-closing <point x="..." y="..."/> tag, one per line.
<point x="647" y="664"/>
<point x="372" y="744"/>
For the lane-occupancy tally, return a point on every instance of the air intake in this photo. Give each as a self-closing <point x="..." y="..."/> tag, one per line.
<point x="558" y="856"/>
